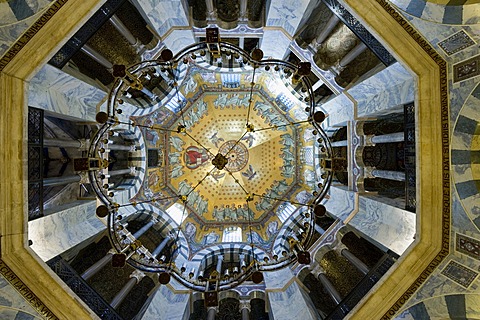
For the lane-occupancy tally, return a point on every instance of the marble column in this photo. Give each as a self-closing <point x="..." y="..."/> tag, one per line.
<point x="245" y="310"/>
<point x="342" y="143"/>
<point x="219" y="265"/>
<point x="243" y="264"/>
<point x="118" y="24"/>
<point x="120" y="147"/>
<point x="144" y="229"/>
<point x="61" y="143"/>
<point x="349" y="57"/>
<point x="322" y="277"/>
<point x="388" y="138"/>
<point x="161" y="246"/>
<point x="211" y="313"/>
<point x="317" y="42"/>
<point x="362" y="267"/>
<point x="319" y="229"/>
<point x="92" y="53"/>
<point x="97" y="266"/>
<point x="135" y="278"/>
<point x="210" y="10"/>
<point x="120" y="172"/>
<point x="385" y="174"/>
<point x="243" y="10"/>
<point x="60" y="181"/>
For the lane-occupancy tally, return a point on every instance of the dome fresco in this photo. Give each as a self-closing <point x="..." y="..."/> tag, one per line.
<point x="274" y="162"/>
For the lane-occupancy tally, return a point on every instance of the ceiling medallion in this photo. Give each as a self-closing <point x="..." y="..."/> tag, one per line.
<point x="235" y="155"/>
<point x="278" y="160"/>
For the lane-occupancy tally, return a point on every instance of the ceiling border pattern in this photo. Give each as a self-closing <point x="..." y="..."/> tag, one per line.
<point x="30" y="33"/>
<point x="445" y="121"/>
<point x="25" y="292"/>
<point x="424" y="44"/>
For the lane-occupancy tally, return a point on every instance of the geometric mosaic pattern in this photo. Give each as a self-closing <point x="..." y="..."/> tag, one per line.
<point x="466" y="69"/>
<point x="468" y="246"/>
<point x="457" y="42"/>
<point x="459" y="273"/>
<point x="444" y="11"/>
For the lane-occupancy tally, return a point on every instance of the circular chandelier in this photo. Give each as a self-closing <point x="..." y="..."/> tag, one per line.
<point x="231" y="157"/>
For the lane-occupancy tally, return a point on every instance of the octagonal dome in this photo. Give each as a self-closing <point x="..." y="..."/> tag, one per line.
<point x="270" y="160"/>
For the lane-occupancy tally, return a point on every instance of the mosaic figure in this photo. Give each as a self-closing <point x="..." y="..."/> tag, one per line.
<point x="190" y="231"/>
<point x="210" y="238"/>
<point x="272" y="229"/>
<point x="177" y="143"/>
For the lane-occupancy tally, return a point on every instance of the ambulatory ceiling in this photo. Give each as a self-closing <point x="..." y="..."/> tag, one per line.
<point x="272" y="161"/>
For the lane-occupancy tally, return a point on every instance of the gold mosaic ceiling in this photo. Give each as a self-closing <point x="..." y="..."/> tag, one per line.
<point x="274" y="161"/>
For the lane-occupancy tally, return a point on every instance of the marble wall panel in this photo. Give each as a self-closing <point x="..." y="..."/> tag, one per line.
<point x="286" y="14"/>
<point x="163" y="14"/>
<point x="53" y="90"/>
<point x="387" y="89"/>
<point x="16" y="17"/>
<point x="278" y="279"/>
<point x="179" y="39"/>
<point x="13" y="305"/>
<point x="341" y="203"/>
<point x="340" y="110"/>
<point x="167" y="305"/>
<point x="56" y="233"/>
<point x="392" y="227"/>
<point x="274" y="44"/>
<point x="298" y="308"/>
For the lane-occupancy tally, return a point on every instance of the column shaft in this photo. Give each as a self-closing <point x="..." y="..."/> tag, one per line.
<point x="392" y="137"/>
<point x="362" y="267"/>
<point x="342" y="143"/>
<point x="160" y="247"/>
<point x="245" y="314"/>
<point x="352" y="54"/>
<point x="118" y="147"/>
<point x="96" y="56"/>
<point x="330" y="288"/>
<point x="243" y="9"/>
<point x="47" y="142"/>
<point x="119" y="172"/>
<point x="390" y="175"/>
<point x="327" y="30"/>
<point x="212" y="311"/>
<point x="123" y="293"/>
<point x="219" y="265"/>
<point x="144" y="229"/>
<point x="60" y="181"/>
<point x="319" y="229"/>
<point x="97" y="266"/>
<point x="118" y="24"/>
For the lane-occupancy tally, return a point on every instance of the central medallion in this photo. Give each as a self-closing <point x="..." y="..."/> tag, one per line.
<point x="233" y="155"/>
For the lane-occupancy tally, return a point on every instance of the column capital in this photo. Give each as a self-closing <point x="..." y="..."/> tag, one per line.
<point x="245" y="304"/>
<point x="317" y="270"/>
<point x="339" y="247"/>
<point x="137" y="274"/>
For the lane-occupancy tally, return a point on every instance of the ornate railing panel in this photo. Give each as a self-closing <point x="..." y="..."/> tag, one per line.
<point x="362" y="288"/>
<point x="35" y="163"/>
<point x="410" y="178"/>
<point x="366" y="37"/>
<point x="65" y="53"/>
<point x="93" y="300"/>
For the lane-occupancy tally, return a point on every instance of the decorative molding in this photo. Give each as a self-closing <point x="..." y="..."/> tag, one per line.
<point x="467" y="245"/>
<point x="25" y="292"/>
<point x="446" y="218"/>
<point x="359" y="30"/>
<point x="30" y="33"/>
<point x="456" y="42"/>
<point x="459" y="273"/>
<point x="466" y="69"/>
